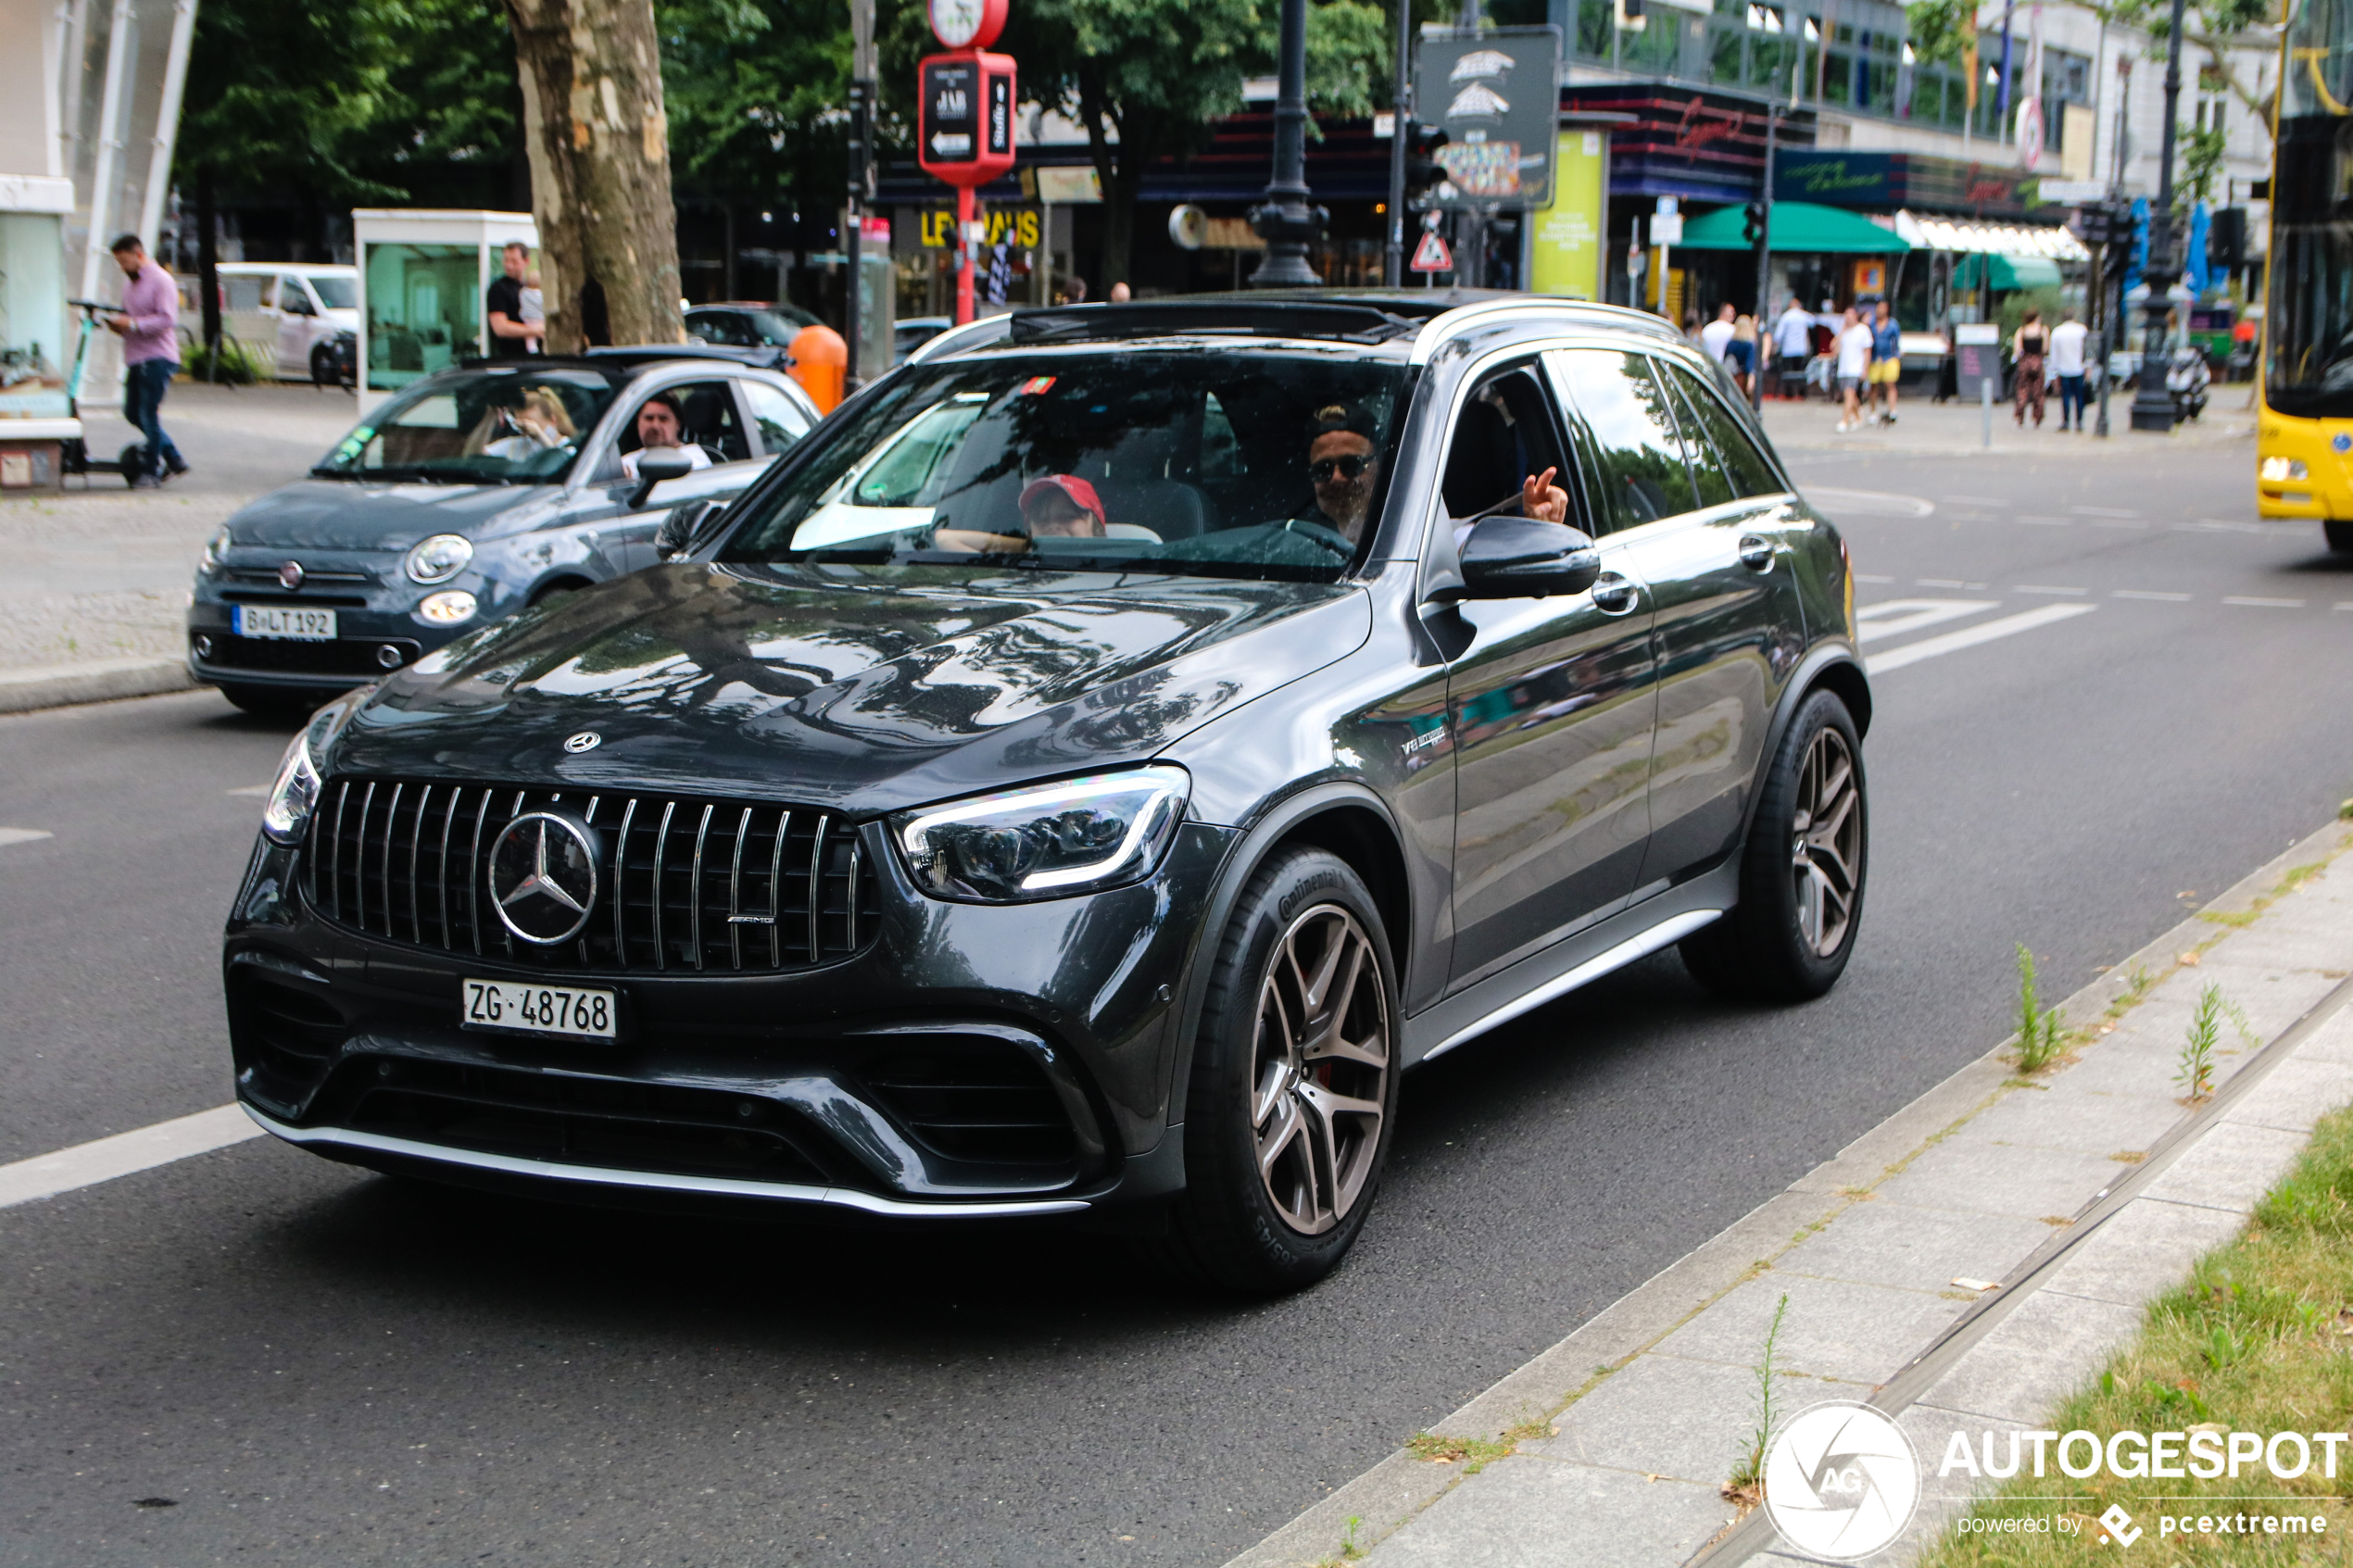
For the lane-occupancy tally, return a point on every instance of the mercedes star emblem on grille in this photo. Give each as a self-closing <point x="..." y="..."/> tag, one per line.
<point x="587" y="740"/>
<point x="543" y="877"/>
<point x="290" y="576"/>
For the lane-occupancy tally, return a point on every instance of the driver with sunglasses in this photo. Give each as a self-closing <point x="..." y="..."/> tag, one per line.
<point x="1343" y="462"/>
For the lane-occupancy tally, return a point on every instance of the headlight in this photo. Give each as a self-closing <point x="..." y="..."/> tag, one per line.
<point x="1047" y="842"/>
<point x="2280" y="469"/>
<point x="297" y="791"/>
<point x="439" y="558"/>
<point x="216" y="550"/>
<point x="451" y="607"/>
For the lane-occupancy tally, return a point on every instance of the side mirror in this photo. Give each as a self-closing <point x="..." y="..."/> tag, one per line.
<point x="657" y="468"/>
<point x="1518" y="558"/>
<point x="680" y="527"/>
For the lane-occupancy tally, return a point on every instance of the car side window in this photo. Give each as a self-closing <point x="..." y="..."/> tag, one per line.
<point x="1504" y="435"/>
<point x="1637" y="469"/>
<point x="291" y="299"/>
<point x="707" y="418"/>
<point x="1708" y="474"/>
<point x="780" y="420"/>
<point x="718" y="326"/>
<point x="1746" y="468"/>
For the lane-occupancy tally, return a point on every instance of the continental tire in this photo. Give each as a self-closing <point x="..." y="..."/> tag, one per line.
<point x="1803" y="870"/>
<point x="1295" y="1081"/>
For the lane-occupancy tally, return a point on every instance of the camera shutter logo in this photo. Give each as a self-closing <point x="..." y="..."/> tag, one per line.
<point x="543" y="877"/>
<point x="1840" y="1481"/>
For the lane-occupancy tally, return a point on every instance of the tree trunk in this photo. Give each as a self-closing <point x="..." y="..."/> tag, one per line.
<point x="598" y="141"/>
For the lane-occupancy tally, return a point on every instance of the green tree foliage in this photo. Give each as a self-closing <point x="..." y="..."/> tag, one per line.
<point x="756" y="91"/>
<point x="1940" y="30"/>
<point x="2201" y="158"/>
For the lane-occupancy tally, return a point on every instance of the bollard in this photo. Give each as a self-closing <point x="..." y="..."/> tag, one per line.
<point x="1985" y="396"/>
<point x="820" y="361"/>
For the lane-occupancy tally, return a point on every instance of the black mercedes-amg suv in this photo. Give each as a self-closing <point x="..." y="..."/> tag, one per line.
<point x="1081" y="777"/>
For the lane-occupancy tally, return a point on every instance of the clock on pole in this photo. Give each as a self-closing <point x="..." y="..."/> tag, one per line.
<point x="964" y="117"/>
<point x="966" y="24"/>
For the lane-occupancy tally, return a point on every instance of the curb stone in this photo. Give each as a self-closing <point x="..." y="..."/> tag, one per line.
<point x="1393" y="1498"/>
<point x="98" y="680"/>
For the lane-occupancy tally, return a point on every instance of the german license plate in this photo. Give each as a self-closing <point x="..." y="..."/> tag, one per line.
<point x="574" y="1010"/>
<point x="284" y="621"/>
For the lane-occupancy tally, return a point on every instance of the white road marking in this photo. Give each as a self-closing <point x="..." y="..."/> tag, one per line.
<point x="86" y="1165"/>
<point x="1872" y="503"/>
<point x="1938" y="583"/>
<point x="21" y="836"/>
<point x="1895" y="617"/>
<point x="2262" y="604"/>
<point x="2047" y="588"/>
<point x="2345" y="604"/>
<point x="1953" y="642"/>
<point x="1872" y="577"/>
<point x="2156" y="594"/>
<point x="258" y="791"/>
<point x="2104" y="511"/>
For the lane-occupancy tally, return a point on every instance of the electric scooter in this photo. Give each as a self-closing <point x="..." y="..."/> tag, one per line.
<point x="74" y="455"/>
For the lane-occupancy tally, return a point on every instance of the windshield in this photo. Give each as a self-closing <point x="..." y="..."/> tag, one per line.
<point x="336" y="294"/>
<point x="1201" y="461"/>
<point x="2309" y="370"/>
<point x="473" y="427"/>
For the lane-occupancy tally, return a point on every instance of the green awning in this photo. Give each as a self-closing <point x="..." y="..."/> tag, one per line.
<point x="2007" y="271"/>
<point x="1799" y="228"/>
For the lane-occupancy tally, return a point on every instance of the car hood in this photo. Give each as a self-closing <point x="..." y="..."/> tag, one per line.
<point x="859" y="690"/>
<point x="328" y="514"/>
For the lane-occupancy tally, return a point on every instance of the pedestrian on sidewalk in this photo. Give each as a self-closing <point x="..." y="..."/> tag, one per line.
<point x="1853" y="347"/>
<point x="2030" y="346"/>
<point x="1741" y="355"/>
<point x="1793" y="345"/>
<point x="510" y="336"/>
<point x="1887" y="362"/>
<point x="149" y="326"/>
<point x="1717" y="334"/>
<point x="2067" y="364"/>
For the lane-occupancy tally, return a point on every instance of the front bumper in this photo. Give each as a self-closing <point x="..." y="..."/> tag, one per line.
<point x="369" y="643"/>
<point x="973" y="1060"/>
<point x="2325" y="492"/>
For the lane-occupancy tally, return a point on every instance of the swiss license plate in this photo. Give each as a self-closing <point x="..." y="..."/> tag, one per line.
<point x="285" y="621"/>
<point x="539" y="1010"/>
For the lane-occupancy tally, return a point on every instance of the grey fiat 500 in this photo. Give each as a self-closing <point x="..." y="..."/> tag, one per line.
<point x="472" y="494"/>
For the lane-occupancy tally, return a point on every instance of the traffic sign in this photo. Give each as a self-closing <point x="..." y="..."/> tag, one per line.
<point x="965" y="132"/>
<point x="1431" y="255"/>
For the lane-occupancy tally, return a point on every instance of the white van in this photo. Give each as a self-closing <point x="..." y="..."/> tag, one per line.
<point x="287" y="313"/>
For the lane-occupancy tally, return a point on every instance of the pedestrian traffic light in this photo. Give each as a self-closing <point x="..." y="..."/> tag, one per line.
<point x="1423" y="173"/>
<point x="2094" y="224"/>
<point x="1753" y="228"/>
<point x="2226" y="240"/>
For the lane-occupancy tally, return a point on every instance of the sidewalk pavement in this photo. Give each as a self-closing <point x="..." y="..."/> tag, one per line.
<point x="95" y="581"/>
<point x="1964" y="1264"/>
<point x="1958" y="430"/>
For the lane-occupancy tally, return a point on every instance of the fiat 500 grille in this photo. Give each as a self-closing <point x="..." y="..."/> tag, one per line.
<point x="682" y="883"/>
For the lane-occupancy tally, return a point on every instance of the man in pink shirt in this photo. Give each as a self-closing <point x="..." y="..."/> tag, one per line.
<point x="150" y="329"/>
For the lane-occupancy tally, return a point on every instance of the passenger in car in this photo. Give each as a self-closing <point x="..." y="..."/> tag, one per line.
<point x="659" y="427"/>
<point x="521" y="429"/>
<point x="1055" y="506"/>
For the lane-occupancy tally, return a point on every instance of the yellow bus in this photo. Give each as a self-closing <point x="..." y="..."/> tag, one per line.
<point x="2304" y="443"/>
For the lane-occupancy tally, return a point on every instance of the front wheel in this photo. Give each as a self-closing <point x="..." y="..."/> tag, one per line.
<point x="2340" y="535"/>
<point x="1294" y="1081"/>
<point x="1802" y="873"/>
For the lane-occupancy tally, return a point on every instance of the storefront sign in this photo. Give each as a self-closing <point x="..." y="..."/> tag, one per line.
<point x="1570" y="240"/>
<point x="1495" y="94"/>
<point x="1699" y="145"/>
<point x="936" y="228"/>
<point x="1884" y="181"/>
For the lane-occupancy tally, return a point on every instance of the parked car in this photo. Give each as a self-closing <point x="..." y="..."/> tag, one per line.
<point x="748" y="323"/>
<point x="468" y="495"/>
<point x="292" y="313"/>
<point x="1210" y="724"/>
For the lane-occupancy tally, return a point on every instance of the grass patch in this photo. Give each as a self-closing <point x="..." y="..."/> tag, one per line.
<point x="2040" y="1038"/>
<point x="1746" y="1487"/>
<point x="2259" y="1339"/>
<point x="1475" y="1454"/>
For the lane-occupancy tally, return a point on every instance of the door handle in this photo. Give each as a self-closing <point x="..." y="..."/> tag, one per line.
<point x="1757" y="554"/>
<point x="1614" y="595"/>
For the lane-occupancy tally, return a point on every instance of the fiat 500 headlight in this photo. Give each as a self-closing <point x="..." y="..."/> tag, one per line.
<point x="2280" y="469"/>
<point x="295" y="794"/>
<point x="439" y="558"/>
<point x="1046" y="842"/>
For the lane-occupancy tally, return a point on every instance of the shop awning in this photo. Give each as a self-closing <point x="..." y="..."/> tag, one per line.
<point x="2005" y="271"/>
<point x="1799" y="228"/>
<point x="2012" y="240"/>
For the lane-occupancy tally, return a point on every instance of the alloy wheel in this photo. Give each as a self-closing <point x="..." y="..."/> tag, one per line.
<point x="1826" y="842"/>
<point x="1320" y="1066"/>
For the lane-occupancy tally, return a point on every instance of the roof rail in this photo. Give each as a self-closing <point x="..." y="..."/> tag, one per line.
<point x="1463" y="317"/>
<point x="1354" y="321"/>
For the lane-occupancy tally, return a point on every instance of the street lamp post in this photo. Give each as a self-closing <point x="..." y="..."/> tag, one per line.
<point x="1399" y="130"/>
<point x="1285" y="220"/>
<point x="2152" y="405"/>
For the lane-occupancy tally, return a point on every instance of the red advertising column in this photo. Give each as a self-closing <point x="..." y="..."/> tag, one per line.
<point x="964" y="129"/>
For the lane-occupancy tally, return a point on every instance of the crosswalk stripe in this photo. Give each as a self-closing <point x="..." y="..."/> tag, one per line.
<point x="1953" y="642"/>
<point x="102" y="1160"/>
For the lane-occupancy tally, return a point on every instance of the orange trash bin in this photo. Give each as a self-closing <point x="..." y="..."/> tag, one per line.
<point x="820" y="364"/>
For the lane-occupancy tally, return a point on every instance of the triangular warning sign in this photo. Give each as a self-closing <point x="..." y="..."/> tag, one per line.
<point x="1431" y="255"/>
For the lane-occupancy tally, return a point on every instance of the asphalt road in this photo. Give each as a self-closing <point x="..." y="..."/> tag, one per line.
<point x="314" y="1365"/>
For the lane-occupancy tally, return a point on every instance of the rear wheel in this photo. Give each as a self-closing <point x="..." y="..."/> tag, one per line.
<point x="2340" y="535"/>
<point x="1802" y="873"/>
<point x="1294" y="1082"/>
